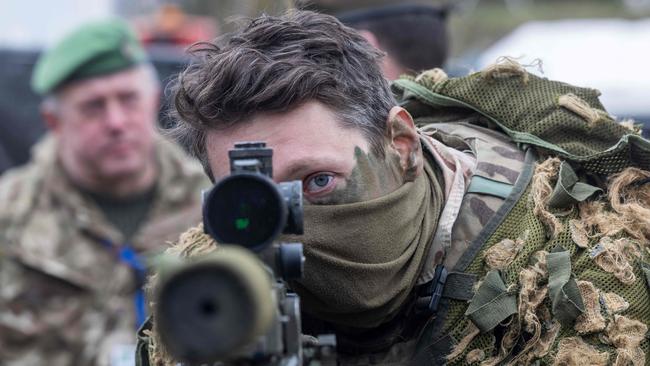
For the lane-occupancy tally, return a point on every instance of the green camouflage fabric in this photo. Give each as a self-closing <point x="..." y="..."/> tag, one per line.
<point x="498" y="159"/>
<point x="65" y="297"/>
<point x="551" y="287"/>
<point x="562" y="280"/>
<point x="556" y="118"/>
<point x="579" y="297"/>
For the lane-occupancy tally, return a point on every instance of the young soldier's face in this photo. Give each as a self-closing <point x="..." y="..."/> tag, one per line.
<point x="335" y="164"/>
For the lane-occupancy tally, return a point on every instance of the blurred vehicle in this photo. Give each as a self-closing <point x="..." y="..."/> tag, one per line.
<point x="606" y="54"/>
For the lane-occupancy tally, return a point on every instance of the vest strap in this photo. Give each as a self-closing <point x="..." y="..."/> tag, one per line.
<point x="483" y="185"/>
<point x="492" y="303"/>
<point x="451" y="285"/>
<point x="566" y="300"/>
<point x="568" y="190"/>
<point x="460" y="286"/>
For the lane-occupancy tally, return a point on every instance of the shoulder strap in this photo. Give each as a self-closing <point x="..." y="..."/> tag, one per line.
<point x="483" y="185"/>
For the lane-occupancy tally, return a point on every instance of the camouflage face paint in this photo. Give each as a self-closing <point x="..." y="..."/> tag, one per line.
<point x="373" y="176"/>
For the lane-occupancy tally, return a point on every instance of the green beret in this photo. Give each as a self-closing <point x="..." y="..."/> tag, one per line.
<point x="91" y="50"/>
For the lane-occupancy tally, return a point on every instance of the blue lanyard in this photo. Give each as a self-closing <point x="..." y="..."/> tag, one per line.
<point x="128" y="256"/>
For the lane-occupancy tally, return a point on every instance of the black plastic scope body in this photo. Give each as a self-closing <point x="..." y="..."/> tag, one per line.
<point x="247" y="208"/>
<point x="234" y="306"/>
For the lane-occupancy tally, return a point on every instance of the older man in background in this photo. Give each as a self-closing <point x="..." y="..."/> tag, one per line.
<point x="101" y="191"/>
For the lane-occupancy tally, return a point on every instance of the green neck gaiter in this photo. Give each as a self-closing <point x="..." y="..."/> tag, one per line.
<point x="363" y="259"/>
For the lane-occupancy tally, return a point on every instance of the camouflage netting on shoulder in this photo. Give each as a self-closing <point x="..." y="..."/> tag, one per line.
<point x="193" y="242"/>
<point x="556" y="117"/>
<point x="596" y="250"/>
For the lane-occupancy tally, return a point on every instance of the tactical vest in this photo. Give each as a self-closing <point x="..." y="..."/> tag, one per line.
<point x="543" y="294"/>
<point x="499" y="165"/>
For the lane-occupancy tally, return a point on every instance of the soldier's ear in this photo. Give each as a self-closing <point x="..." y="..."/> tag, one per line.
<point x="403" y="138"/>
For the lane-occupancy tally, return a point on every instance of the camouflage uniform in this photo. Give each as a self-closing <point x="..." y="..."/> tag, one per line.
<point x="541" y="269"/>
<point x="66" y="296"/>
<point x="486" y="154"/>
<point x="496" y="159"/>
<point x="560" y="270"/>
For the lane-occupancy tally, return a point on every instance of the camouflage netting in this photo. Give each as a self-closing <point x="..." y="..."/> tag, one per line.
<point x="192" y="243"/>
<point x="607" y="237"/>
<point x="556" y="117"/>
<point x="607" y="260"/>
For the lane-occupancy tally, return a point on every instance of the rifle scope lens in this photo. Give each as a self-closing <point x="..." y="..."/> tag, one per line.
<point x="245" y="209"/>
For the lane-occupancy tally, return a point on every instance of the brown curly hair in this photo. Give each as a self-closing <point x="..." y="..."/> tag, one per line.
<point x="274" y="64"/>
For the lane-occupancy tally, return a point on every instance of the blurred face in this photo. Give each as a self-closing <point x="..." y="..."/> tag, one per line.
<point x="105" y="127"/>
<point x="389" y="66"/>
<point x="335" y="164"/>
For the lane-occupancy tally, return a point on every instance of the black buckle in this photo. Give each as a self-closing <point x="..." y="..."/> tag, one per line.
<point x="430" y="298"/>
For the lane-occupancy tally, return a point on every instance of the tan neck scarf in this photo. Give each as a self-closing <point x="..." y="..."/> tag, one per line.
<point x="363" y="259"/>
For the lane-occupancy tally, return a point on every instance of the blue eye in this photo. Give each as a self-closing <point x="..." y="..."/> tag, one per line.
<point x="318" y="182"/>
<point x="322" y="180"/>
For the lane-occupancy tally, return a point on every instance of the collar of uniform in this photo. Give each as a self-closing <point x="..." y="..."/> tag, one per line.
<point x="176" y="185"/>
<point x="179" y="182"/>
<point x="457" y="168"/>
<point x="87" y="216"/>
<point x="172" y="187"/>
<point x="171" y="159"/>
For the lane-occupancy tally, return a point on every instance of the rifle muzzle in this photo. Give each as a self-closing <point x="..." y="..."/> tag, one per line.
<point x="209" y="309"/>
